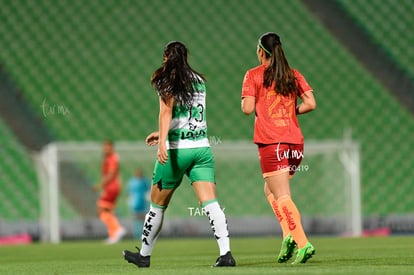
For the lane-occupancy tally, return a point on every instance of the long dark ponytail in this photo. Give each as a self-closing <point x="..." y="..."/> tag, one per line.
<point x="279" y="70"/>
<point x="175" y="78"/>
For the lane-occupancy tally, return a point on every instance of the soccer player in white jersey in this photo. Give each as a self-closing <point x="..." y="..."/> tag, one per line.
<point x="183" y="149"/>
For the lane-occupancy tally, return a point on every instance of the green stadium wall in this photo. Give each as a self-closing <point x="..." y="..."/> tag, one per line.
<point x="85" y="67"/>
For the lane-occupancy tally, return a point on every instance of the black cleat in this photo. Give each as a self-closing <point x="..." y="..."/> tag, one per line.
<point x="136" y="258"/>
<point x="225" y="260"/>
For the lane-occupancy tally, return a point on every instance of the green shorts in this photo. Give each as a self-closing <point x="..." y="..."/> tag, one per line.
<point x="196" y="163"/>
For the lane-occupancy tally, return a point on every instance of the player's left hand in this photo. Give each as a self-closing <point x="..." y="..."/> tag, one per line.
<point x="152" y="139"/>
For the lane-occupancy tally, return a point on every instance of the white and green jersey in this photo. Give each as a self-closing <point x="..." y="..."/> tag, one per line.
<point x="188" y="128"/>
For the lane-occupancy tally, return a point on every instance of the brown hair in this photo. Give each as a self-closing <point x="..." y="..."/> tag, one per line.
<point x="278" y="71"/>
<point x="175" y="78"/>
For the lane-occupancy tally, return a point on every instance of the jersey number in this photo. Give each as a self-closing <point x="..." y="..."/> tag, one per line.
<point x="197" y="113"/>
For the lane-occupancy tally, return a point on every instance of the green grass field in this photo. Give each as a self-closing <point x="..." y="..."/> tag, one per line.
<point x="385" y="255"/>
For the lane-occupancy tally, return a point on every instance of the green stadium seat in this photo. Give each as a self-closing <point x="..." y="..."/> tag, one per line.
<point x="394" y="34"/>
<point x="96" y="58"/>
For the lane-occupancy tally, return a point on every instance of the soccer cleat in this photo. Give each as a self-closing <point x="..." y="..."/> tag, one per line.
<point x="225" y="260"/>
<point x="136" y="258"/>
<point x="304" y="254"/>
<point x="286" y="250"/>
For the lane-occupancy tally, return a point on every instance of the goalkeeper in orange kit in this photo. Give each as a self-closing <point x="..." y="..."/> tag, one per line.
<point x="111" y="187"/>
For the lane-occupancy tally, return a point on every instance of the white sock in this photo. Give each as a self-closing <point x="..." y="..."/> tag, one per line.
<point x="151" y="229"/>
<point x="218" y="224"/>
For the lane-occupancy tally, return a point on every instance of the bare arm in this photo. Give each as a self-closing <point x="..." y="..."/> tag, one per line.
<point x="308" y="103"/>
<point x="164" y="122"/>
<point x="109" y="177"/>
<point x="106" y="179"/>
<point x="248" y="105"/>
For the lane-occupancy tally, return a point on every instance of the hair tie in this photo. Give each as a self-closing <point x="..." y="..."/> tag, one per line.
<point x="263" y="48"/>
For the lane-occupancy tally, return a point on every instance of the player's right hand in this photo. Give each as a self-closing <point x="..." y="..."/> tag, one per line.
<point x="162" y="154"/>
<point x="152" y="139"/>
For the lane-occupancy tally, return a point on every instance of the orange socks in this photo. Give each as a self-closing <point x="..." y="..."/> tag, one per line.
<point x="111" y="222"/>
<point x="291" y="215"/>
<point x="275" y="207"/>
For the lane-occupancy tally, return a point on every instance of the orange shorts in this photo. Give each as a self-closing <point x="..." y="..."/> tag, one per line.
<point x="280" y="157"/>
<point x="109" y="196"/>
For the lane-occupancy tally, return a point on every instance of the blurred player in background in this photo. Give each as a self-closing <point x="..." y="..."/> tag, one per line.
<point x="138" y="187"/>
<point x="183" y="149"/>
<point x="271" y="90"/>
<point x="111" y="187"/>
